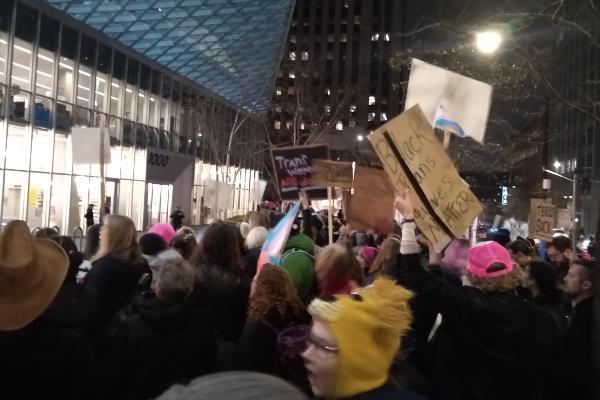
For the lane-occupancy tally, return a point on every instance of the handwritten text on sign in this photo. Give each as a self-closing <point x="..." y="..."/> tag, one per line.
<point x="414" y="159"/>
<point x="541" y="219"/>
<point x="293" y="168"/>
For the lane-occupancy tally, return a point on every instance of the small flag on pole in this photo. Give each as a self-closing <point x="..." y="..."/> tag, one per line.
<point x="273" y="246"/>
<point x="445" y="122"/>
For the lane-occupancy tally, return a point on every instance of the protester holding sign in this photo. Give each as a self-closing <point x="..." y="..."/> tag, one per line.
<point x="293" y="169"/>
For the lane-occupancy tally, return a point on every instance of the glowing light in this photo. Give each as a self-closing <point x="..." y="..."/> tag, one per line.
<point x="488" y="42"/>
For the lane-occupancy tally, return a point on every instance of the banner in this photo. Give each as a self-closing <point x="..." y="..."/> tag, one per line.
<point x="542" y="217"/>
<point x="275" y="242"/>
<point x="165" y="166"/>
<point x="414" y="159"/>
<point x="372" y="205"/>
<point x="258" y="190"/>
<point x="293" y="169"/>
<point x="86" y="144"/>
<point x="459" y="104"/>
<point x="332" y="173"/>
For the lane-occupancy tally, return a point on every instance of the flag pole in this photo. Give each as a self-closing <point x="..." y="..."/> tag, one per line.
<point x="330" y="215"/>
<point x="447" y="137"/>
<point x="102" y="178"/>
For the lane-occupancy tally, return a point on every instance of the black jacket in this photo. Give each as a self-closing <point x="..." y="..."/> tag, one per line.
<point x="162" y="345"/>
<point x="116" y="283"/>
<point x="387" y="392"/>
<point x="46" y="360"/>
<point x="78" y="306"/>
<point x="223" y="297"/>
<point x="250" y="262"/>
<point x="578" y="352"/>
<point x="494" y="345"/>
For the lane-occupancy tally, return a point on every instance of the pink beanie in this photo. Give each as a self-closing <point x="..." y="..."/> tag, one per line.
<point x="165" y="231"/>
<point x="483" y="255"/>
<point x="368" y="254"/>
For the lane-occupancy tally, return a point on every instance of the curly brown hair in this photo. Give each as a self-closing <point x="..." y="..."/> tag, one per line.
<point x="504" y="283"/>
<point x="273" y="291"/>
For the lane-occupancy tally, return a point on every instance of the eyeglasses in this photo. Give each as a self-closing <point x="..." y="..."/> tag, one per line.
<point x="321" y="351"/>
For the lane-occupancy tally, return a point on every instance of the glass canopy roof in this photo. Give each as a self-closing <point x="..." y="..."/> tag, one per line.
<point x="231" y="47"/>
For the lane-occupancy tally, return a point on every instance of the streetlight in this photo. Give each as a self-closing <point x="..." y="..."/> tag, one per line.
<point x="488" y="42"/>
<point x="360" y="138"/>
<point x="556" y="164"/>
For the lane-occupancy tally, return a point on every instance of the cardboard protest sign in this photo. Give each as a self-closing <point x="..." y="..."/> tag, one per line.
<point x="542" y="216"/>
<point x="458" y="104"/>
<point x="293" y="169"/>
<point x="414" y="159"/>
<point x="372" y="205"/>
<point x="87" y="144"/>
<point x="332" y="173"/>
<point x="216" y="194"/>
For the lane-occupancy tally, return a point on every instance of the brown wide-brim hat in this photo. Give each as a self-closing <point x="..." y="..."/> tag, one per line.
<point x="32" y="271"/>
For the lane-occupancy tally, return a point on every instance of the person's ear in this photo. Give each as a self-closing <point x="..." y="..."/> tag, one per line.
<point x="586" y="285"/>
<point x="568" y="253"/>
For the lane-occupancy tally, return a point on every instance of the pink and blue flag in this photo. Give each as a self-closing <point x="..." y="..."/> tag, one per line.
<point x="273" y="246"/>
<point x="445" y="122"/>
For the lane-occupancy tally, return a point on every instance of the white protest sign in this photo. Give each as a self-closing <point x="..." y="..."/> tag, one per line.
<point x="216" y="194"/>
<point x="258" y="190"/>
<point x="86" y="144"/>
<point x="464" y="100"/>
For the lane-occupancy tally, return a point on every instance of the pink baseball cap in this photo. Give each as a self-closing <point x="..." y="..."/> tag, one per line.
<point x="483" y="255"/>
<point x="165" y="231"/>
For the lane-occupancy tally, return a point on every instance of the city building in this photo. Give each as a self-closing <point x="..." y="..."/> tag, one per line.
<point x="336" y="75"/>
<point x="168" y="80"/>
<point x="573" y="147"/>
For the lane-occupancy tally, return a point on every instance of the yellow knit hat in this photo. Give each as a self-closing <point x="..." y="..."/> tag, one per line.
<point x="367" y="328"/>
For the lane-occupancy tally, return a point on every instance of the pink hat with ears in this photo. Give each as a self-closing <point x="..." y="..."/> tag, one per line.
<point x="483" y="255"/>
<point x="165" y="231"/>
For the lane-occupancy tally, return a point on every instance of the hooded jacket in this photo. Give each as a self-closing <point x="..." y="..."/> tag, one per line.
<point x="298" y="259"/>
<point x="162" y="345"/>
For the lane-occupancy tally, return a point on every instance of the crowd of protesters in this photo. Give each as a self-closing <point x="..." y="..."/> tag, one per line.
<point x="371" y="316"/>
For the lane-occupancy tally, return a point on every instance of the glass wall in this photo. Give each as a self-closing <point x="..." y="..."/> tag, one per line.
<point x="55" y="78"/>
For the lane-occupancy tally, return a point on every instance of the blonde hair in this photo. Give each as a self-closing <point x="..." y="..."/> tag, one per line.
<point x="175" y="280"/>
<point x="258" y="218"/>
<point x="120" y="240"/>
<point x="388" y="250"/>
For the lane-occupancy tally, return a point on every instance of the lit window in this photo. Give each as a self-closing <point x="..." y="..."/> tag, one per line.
<point x="383" y="116"/>
<point x="387" y="37"/>
<point x="374" y="37"/>
<point x="343" y="38"/>
<point x="304" y="55"/>
<point x="302" y="126"/>
<point x="339" y="126"/>
<point x="328" y="92"/>
<point x="352" y="108"/>
<point x="291" y="90"/>
<point x="292" y="75"/>
<point x="288" y="125"/>
<point x="371" y="116"/>
<point x="293" y="39"/>
<point x="574" y="164"/>
<point x="292" y="56"/>
<point x="278" y="109"/>
<point x="278" y="125"/>
<point x="278" y="91"/>
<point x="371" y="100"/>
<point x="352" y="123"/>
<point x="327" y="109"/>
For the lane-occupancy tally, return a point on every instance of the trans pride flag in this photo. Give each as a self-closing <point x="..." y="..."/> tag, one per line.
<point x="273" y="246"/>
<point x="445" y="122"/>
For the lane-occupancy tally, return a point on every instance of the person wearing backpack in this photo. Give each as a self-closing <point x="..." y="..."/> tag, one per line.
<point x="276" y="330"/>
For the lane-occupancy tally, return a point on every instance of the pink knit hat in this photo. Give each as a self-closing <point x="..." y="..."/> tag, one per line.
<point x="483" y="255"/>
<point x="368" y="254"/>
<point x="165" y="231"/>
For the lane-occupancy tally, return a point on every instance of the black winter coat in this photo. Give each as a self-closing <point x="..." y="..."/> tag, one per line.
<point x="162" y="345"/>
<point x="494" y="345"/>
<point x="78" y="306"/>
<point x="223" y="299"/>
<point x="578" y="352"/>
<point x="46" y="360"/>
<point x="250" y="262"/>
<point x="387" y="392"/>
<point x="116" y="283"/>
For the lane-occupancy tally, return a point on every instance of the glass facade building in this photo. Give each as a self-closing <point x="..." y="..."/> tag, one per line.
<point x="56" y="75"/>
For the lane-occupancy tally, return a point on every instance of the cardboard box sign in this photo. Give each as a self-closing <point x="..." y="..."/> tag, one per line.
<point x="542" y="217"/>
<point x="372" y="205"/>
<point x="332" y="173"/>
<point x="293" y="169"/>
<point x="414" y="159"/>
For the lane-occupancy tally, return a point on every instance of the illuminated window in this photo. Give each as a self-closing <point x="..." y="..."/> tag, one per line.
<point x="371" y="100"/>
<point x="339" y="126"/>
<point x="292" y="56"/>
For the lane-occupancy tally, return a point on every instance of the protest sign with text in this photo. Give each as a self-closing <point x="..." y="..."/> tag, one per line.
<point x="371" y="205"/>
<point x="332" y="173"/>
<point x="542" y="216"/>
<point x="293" y="169"/>
<point x="414" y="159"/>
